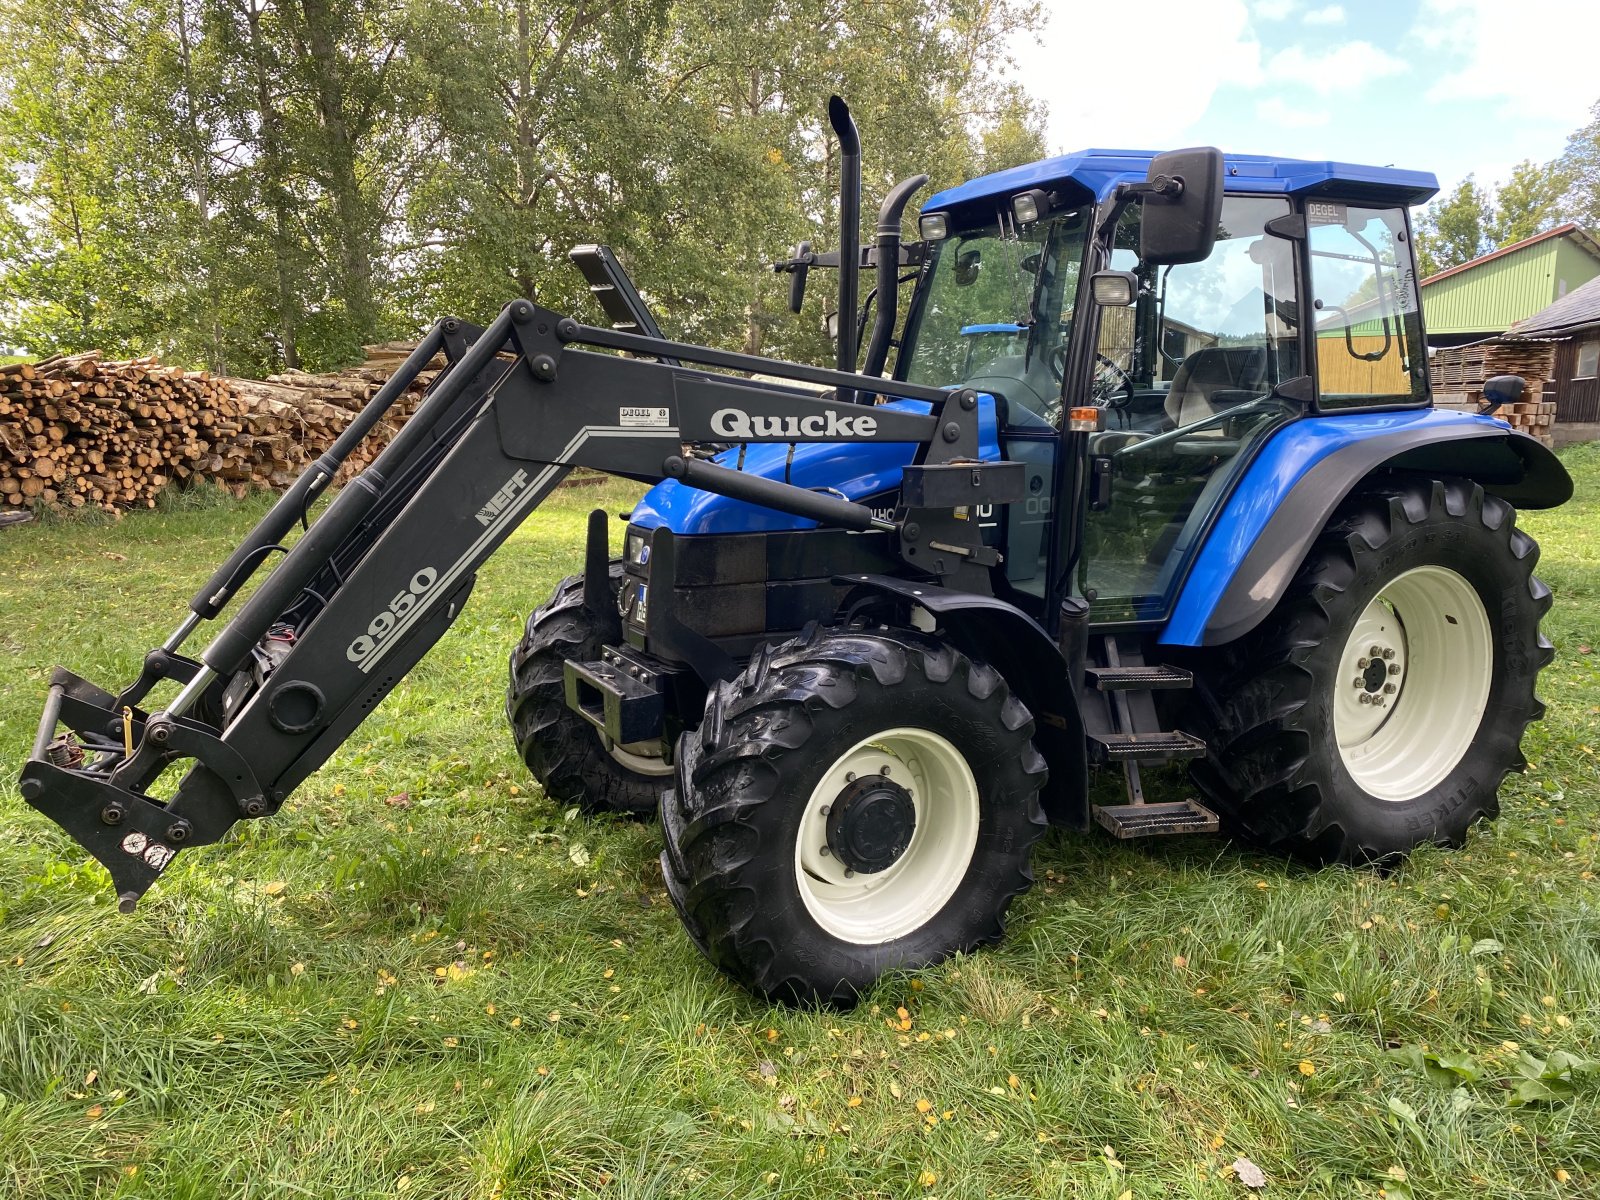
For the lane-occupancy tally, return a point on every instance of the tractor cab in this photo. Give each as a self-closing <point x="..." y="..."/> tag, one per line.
<point x="1044" y="287"/>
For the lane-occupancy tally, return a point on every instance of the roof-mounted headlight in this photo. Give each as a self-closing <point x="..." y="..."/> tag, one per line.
<point x="1027" y="207"/>
<point x="935" y="227"/>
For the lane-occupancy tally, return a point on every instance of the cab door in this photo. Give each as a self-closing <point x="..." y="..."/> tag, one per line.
<point x="1186" y="376"/>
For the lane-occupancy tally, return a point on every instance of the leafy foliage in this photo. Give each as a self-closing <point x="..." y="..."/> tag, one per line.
<point x="256" y="184"/>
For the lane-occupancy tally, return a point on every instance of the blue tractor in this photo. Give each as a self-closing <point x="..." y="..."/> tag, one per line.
<point x="1155" y="476"/>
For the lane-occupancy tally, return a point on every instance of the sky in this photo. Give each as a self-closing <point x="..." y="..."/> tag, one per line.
<point x="1448" y="86"/>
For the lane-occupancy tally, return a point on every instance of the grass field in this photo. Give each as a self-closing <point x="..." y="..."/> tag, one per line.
<point x="424" y="980"/>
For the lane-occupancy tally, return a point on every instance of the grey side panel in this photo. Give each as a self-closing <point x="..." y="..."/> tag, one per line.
<point x="1510" y="465"/>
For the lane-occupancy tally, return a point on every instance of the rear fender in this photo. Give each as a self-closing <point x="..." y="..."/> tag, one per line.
<point x="1012" y="642"/>
<point x="1305" y="471"/>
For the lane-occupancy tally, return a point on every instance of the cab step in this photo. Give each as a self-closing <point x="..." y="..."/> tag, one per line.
<point x="1135" y="679"/>
<point x="1166" y="746"/>
<point x="1155" y="820"/>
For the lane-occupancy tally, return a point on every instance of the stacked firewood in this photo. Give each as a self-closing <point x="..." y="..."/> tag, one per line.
<point x="78" y="430"/>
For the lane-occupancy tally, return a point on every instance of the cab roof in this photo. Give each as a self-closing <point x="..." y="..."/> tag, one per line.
<point x="1098" y="172"/>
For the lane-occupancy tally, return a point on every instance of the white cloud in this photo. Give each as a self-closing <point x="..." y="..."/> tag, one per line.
<point x="1096" y="97"/>
<point x="1333" y="14"/>
<point x="1343" y="69"/>
<point x="1535" y="56"/>
<point x="1273" y="10"/>
<point x="1277" y="111"/>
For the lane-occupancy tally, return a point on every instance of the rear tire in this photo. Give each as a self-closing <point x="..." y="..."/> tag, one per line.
<point x="1323" y="750"/>
<point x="913" y="764"/>
<point x="565" y="752"/>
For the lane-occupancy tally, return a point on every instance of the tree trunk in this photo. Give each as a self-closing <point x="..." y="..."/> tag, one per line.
<point x="277" y="198"/>
<point x="354" y="262"/>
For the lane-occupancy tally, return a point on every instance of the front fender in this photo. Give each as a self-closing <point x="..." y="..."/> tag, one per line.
<point x="1014" y="644"/>
<point x="1301" y="475"/>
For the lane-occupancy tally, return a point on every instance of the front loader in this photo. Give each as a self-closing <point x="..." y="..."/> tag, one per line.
<point x="1155" y="476"/>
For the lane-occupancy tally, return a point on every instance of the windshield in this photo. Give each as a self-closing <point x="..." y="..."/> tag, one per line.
<point x="997" y="313"/>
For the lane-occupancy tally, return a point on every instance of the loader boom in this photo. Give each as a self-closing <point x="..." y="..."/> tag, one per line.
<point x="375" y="581"/>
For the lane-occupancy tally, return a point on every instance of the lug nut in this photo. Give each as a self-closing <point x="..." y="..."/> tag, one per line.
<point x="1359" y="684"/>
<point x="1388" y="689"/>
<point x="1376" y="652"/>
<point x="849" y="776"/>
<point x="849" y="874"/>
<point x="1388" y="654"/>
<point x="1362" y="662"/>
<point x="825" y="851"/>
<point x="1364" y="698"/>
<point x="1379" y="701"/>
<point x="826" y="809"/>
<point x="883" y="770"/>
<point x="1394" y="668"/>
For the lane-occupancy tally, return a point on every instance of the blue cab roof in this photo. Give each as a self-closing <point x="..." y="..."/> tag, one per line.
<point x="1100" y="171"/>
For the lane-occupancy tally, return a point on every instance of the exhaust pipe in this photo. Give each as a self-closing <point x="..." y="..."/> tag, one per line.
<point x="844" y="126"/>
<point x="894" y="206"/>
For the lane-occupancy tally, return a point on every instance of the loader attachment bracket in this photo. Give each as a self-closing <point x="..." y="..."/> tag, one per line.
<point x="128" y="833"/>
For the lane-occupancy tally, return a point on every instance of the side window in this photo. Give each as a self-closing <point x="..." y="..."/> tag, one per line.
<point x="1588" y="360"/>
<point x="1368" y="329"/>
<point x="1227" y="332"/>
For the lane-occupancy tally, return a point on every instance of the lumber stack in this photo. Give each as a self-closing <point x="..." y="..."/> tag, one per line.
<point x="1458" y="375"/>
<point x="78" y="430"/>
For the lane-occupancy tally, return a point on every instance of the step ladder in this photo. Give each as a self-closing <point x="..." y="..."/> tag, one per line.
<point x="1123" y="727"/>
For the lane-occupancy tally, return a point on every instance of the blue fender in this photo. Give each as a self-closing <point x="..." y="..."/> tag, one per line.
<point x="860" y="470"/>
<point x="1301" y="475"/>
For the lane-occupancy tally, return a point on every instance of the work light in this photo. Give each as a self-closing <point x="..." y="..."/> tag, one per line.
<point x="1027" y="207"/>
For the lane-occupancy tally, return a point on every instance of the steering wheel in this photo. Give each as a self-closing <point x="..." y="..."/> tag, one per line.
<point x="1123" y="381"/>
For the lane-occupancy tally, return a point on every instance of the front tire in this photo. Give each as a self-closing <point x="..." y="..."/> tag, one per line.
<point x="1383" y="702"/>
<point x="563" y="751"/>
<point x="856" y="801"/>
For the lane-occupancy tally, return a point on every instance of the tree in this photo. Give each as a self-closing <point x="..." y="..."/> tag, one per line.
<point x="1581" y="165"/>
<point x="1454" y="230"/>
<point x="1529" y="202"/>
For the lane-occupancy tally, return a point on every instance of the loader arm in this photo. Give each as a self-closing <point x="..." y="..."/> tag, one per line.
<point x="376" y="580"/>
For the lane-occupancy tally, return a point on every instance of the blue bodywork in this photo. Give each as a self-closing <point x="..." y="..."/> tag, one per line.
<point x="1099" y="172"/>
<point x="1281" y="463"/>
<point x="865" y="471"/>
<point x="860" y="470"/>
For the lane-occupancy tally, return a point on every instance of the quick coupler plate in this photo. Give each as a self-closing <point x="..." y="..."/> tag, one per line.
<point x="68" y="778"/>
<point x="130" y="834"/>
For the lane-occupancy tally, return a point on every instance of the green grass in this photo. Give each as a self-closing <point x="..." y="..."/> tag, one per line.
<point x="407" y="984"/>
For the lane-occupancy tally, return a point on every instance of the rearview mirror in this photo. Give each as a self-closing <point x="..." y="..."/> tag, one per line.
<point x="1182" y="206"/>
<point x="797" y="277"/>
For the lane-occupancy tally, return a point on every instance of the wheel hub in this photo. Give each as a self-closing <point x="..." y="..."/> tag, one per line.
<point x="1379" y="666"/>
<point x="871" y="823"/>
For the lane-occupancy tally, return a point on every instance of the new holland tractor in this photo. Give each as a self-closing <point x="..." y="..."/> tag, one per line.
<point x="1154" y="476"/>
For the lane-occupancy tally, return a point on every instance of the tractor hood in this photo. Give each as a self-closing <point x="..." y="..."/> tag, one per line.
<point x="857" y="470"/>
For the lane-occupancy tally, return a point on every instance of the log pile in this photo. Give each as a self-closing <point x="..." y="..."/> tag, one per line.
<point x="79" y="431"/>
<point x="1458" y="374"/>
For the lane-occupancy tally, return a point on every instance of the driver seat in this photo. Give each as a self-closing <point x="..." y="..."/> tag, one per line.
<point x="1204" y="377"/>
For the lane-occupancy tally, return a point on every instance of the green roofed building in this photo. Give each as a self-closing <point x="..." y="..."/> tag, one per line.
<point x="1485" y="297"/>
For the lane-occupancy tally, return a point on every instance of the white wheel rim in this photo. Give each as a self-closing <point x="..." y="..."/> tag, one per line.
<point x="877" y="907"/>
<point x="1413" y="683"/>
<point x="640" y="764"/>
